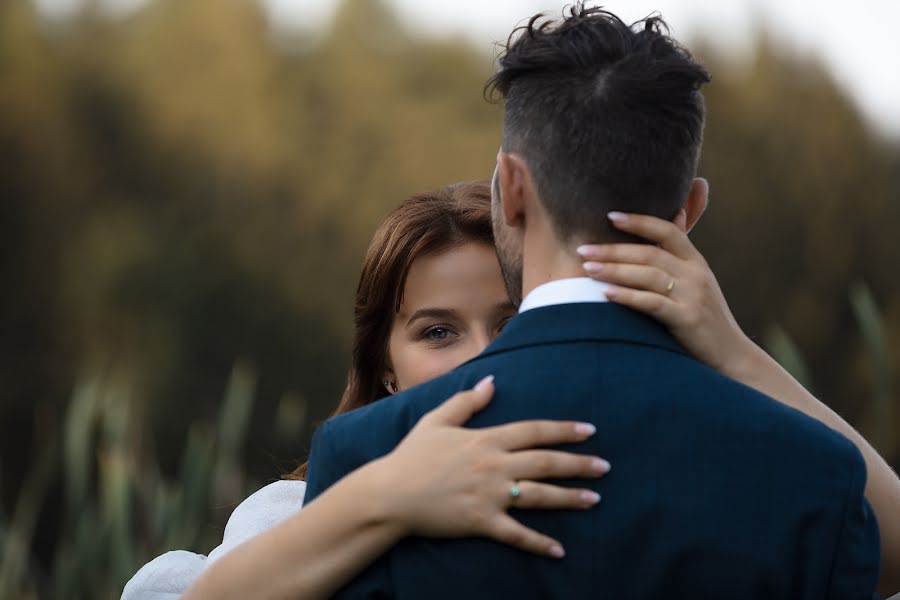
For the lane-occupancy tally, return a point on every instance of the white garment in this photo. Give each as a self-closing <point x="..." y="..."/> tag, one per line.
<point x="565" y="291"/>
<point x="168" y="576"/>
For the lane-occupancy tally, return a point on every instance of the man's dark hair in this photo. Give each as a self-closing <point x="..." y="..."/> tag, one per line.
<point x="607" y="116"/>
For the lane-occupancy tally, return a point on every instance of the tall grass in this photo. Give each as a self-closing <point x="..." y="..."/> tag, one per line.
<point x="118" y="510"/>
<point x="871" y="326"/>
<point x="878" y="425"/>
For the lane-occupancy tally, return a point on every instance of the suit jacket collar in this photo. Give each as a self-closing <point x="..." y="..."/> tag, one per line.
<point x="582" y="322"/>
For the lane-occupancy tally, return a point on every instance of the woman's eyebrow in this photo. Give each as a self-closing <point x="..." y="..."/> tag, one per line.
<point x="433" y="313"/>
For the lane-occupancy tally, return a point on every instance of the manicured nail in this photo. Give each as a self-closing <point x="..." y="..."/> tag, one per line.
<point x="598" y="465"/>
<point x="481" y="385"/>
<point x="585" y="429"/>
<point x="592" y="267"/>
<point x="590" y="497"/>
<point x="585" y="250"/>
<point x="618" y="217"/>
<point x="557" y="551"/>
<point x="611" y="291"/>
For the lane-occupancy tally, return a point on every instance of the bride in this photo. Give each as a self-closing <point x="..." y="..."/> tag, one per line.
<point x="430" y="297"/>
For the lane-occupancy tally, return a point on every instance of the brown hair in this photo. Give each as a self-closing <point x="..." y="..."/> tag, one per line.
<point x="423" y="224"/>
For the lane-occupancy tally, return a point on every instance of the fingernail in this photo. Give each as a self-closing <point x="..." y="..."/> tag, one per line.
<point x="585" y="250"/>
<point x="585" y="429"/>
<point x="557" y="551"/>
<point x="611" y="291"/>
<point x="592" y="267"/>
<point x="590" y="497"/>
<point x="618" y="217"/>
<point x="481" y="385"/>
<point x="598" y="465"/>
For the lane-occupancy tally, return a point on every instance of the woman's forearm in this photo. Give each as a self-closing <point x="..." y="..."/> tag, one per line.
<point x="763" y="373"/>
<point x="441" y="481"/>
<point x="312" y="554"/>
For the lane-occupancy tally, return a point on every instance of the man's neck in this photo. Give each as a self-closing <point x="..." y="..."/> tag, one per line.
<point x="544" y="260"/>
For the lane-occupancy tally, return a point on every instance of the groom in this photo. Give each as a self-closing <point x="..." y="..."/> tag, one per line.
<point x="717" y="490"/>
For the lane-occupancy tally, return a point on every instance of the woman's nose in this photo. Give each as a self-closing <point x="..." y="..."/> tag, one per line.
<point x="483" y="341"/>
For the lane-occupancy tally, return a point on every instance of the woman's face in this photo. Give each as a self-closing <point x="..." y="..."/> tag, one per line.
<point x="454" y="305"/>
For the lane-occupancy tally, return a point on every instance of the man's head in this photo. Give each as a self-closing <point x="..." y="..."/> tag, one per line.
<point x="599" y="116"/>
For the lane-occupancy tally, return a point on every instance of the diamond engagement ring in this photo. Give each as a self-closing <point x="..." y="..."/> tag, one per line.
<point x="514" y="492"/>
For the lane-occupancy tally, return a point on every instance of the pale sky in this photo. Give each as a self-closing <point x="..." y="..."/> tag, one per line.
<point x="859" y="41"/>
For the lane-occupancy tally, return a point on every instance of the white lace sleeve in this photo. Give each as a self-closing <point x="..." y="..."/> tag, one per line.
<point x="168" y="576"/>
<point x="263" y="510"/>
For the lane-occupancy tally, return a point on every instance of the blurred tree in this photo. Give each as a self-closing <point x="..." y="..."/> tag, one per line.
<point x="803" y="204"/>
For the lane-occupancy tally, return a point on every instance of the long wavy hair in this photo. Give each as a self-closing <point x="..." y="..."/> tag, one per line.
<point x="423" y="224"/>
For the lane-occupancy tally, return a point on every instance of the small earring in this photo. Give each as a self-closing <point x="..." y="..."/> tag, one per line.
<point x="392" y="386"/>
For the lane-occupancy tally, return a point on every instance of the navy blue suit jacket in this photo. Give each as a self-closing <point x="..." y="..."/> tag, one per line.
<point x="716" y="491"/>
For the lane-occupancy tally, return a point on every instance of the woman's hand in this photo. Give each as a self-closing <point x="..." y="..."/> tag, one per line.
<point x="673" y="283"/>
<point x="442" y="481"/>
<point x="449" y="481"/>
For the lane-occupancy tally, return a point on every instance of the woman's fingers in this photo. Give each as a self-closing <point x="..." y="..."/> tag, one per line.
<point x="553" y="464"/>
<point x="534" y="494"/>
<point x="634" y="254"/>
<point x="651" y="303"/>
<point x="531" y="434"/>
<point x="643" y="277"/>
<point x="466" y="479"/>
<point x="665" y="233"/>
<point x="462" y="405"/>
<point x="507" y="530"/>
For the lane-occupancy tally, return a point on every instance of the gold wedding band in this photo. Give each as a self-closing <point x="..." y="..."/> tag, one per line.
<point x="670" y="287"/>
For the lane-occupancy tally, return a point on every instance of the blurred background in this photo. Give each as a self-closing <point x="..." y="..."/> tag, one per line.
<point x="187" y="188"/>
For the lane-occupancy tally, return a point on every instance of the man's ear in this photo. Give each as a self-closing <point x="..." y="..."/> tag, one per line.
<point x="694" y="205"/>
<point x="513" y="180"/>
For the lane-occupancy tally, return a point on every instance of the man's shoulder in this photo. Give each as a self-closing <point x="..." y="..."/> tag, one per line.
<point x="737" y="407"/>
<point x="695" y="395"/>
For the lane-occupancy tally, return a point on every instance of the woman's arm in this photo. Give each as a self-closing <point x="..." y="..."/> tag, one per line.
<point x="673" y="283"/>
<point x="442" y="481"/>
<point x="308" y="556"/>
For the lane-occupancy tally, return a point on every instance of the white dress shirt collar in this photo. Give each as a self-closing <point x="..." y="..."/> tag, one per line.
<point x="565" y="291"/>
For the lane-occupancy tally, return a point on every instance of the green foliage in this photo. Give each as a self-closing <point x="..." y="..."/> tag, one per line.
<point x="786" y="352"/>
<point x="879" y="425"/>
<point x="119" y="510"/>
<point x="871" y="326"/>
<point x="803" y="204"/>
<point x="15" y="543"/>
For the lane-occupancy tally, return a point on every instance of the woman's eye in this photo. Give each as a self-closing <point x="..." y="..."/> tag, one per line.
<point x="437" y="334"/>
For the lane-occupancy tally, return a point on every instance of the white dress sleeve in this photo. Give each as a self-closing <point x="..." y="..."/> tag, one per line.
<point x="169" y="575"/>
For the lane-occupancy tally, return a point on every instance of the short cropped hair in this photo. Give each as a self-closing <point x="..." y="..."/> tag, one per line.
<point x="606" y="115"/>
